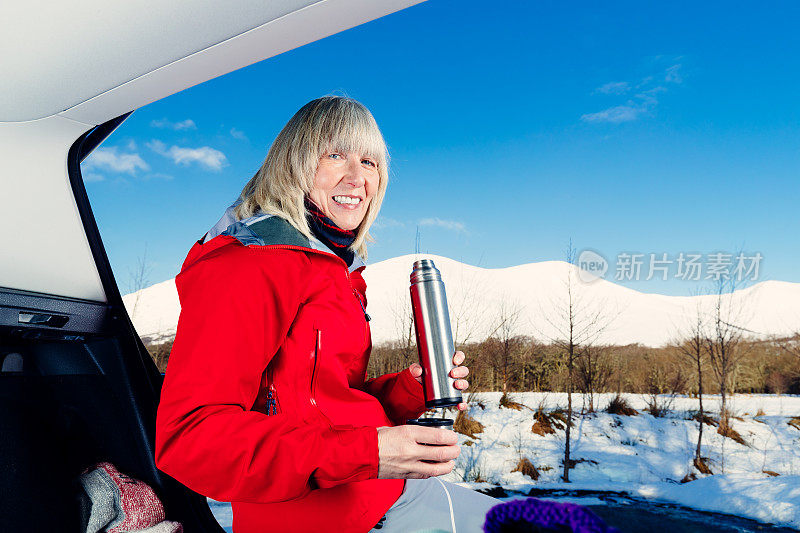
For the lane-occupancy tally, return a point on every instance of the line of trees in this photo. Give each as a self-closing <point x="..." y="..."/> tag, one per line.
<point x="532" y="365"/>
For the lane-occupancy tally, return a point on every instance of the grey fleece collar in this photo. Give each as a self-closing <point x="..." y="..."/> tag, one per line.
<point x="262" y="230"/>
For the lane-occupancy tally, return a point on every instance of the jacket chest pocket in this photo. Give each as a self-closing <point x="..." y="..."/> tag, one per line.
<point x="315" y="363"/>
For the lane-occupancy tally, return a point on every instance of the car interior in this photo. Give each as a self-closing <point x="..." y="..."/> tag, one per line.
<point x="77" y="385"/>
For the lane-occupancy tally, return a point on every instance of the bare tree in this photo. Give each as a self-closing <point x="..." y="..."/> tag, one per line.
<point x="139" y="279"/>
<point x="504" y="344"/>
<point x="465" y="306"/>
<point x="724" y="338"/>
<point x="577" y="324"/>
<point x="405" y="336"/>
<point x="791" y="344"/>
<point x="594" y="372"/>
<point x="694" y="348"/>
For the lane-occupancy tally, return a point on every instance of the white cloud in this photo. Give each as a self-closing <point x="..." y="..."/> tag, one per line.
<point x="165" y="124"/>
<point x="159" y="176"/>
<point x="110" y="159"/>
<point x="614" y="87"/>
<point x="204" y="156"/>
<point x="673" y="75"/>
<point x="92" y="177"/>
<point x="642" y="102"/>
<point x="386" y="222"/>
<point x="446" y="224"/>
<point x="238" y="134"/>
<point x="616" y="114"/>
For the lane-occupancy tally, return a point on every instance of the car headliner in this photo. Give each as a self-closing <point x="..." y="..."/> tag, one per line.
<point x="68" y="67"/>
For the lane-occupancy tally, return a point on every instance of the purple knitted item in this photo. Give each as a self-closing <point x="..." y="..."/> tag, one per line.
<point x="532" y="515"/>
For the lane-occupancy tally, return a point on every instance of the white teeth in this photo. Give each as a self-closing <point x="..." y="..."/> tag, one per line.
<point x="347" y="200"/>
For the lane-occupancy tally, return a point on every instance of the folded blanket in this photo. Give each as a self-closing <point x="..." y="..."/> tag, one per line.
<point x="121" y="504"/>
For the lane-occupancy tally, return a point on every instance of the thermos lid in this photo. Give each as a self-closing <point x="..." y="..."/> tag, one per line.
<point x="425" y="270"/>
<point x="431" y="422"/>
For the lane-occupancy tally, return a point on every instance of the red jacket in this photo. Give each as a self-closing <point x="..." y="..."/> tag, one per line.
<point x="265" y="402"/>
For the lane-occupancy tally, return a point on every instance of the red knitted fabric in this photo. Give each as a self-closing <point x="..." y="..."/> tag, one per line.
<point x="139" y="505"/>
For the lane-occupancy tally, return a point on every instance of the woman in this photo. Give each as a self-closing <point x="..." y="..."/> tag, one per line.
<point x="265" y="402"/>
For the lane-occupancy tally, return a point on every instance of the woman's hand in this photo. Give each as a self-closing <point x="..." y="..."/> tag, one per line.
<point x="402" y="452"/>
<point x="459" y="372"/>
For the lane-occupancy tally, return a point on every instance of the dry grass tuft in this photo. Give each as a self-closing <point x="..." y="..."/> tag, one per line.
<point x="620" y="406"/>
<point x="707" y="420"/>
<point x="701" y="464"/>
<point x="770" y="473"/>
<point x="726" y="430"/>
<point x="691" y="476"/>
<point x="795" y="422"/>
<point x="527" y="468"/>
<point x="547" y="424"/>
<point x="508" y="403"/>
<point x="466" y="425"/>
<point x="760" y="412"/>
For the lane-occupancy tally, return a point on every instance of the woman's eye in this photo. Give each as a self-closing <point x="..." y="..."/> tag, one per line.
<point x="369" y="162"/>
<point x="335" y="156"/>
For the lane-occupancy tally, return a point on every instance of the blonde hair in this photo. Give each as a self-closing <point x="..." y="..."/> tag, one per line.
<point x="324" y="125"/>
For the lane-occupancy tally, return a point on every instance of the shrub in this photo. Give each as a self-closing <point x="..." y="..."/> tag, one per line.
<point x="726" y="430"/>
<point x="707" y="420"/>
<point x="795" y="422"/>
<point x="527" y="468"/>
<point x="658" y="406"/>
<point x="466" y="425"/>
<point x="508" y="403"/>
<point x="620" y="406"/>
<point x="547" y="424"/>
<point x="701" y="464"/>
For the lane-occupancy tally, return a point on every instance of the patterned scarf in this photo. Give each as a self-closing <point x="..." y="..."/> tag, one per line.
<point x="334" y="237"/>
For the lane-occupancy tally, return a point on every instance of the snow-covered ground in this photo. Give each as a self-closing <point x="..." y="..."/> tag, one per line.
<point x="640" y="455"/>
<point x="646" y="456"/>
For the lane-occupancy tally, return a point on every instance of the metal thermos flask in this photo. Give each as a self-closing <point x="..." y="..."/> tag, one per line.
<point x="434" y="336"/>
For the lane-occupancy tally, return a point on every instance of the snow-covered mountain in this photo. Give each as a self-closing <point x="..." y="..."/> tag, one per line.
<point x="531" y="299"/>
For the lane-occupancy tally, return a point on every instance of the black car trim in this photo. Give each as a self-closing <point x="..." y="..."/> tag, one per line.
<point x="134" y="371"/>
<point x="79" y="150"/>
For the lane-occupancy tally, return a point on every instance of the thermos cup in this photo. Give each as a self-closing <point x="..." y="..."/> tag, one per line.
<point x="434" y="336"/>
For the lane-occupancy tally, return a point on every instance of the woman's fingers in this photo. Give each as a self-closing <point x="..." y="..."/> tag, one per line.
<point x="434" y="436"/>
<point x="427" y="470"/>
<point x="459" y="372"/>
<point x="438" y="454"/>
<point x="416" y="451"/>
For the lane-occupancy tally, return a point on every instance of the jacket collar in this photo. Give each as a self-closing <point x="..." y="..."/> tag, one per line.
<point x="269" y="230"/>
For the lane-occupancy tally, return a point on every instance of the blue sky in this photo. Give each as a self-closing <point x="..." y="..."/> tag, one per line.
<point x="513" y="127"/>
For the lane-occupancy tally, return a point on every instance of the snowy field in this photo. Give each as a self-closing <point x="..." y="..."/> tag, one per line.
<point x="646" y="456"/>
<point x="640" y="455"/>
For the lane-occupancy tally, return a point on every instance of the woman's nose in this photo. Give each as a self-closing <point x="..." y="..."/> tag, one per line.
<point x="356" y="173"/>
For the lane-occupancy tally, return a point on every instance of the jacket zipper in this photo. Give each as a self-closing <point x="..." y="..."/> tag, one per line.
<point x="355" y="293"/>
<point x="312" y="392"/>
<point x="272" y="407"/>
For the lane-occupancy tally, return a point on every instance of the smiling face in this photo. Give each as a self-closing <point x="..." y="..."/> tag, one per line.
<point x="344" y="185"/>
